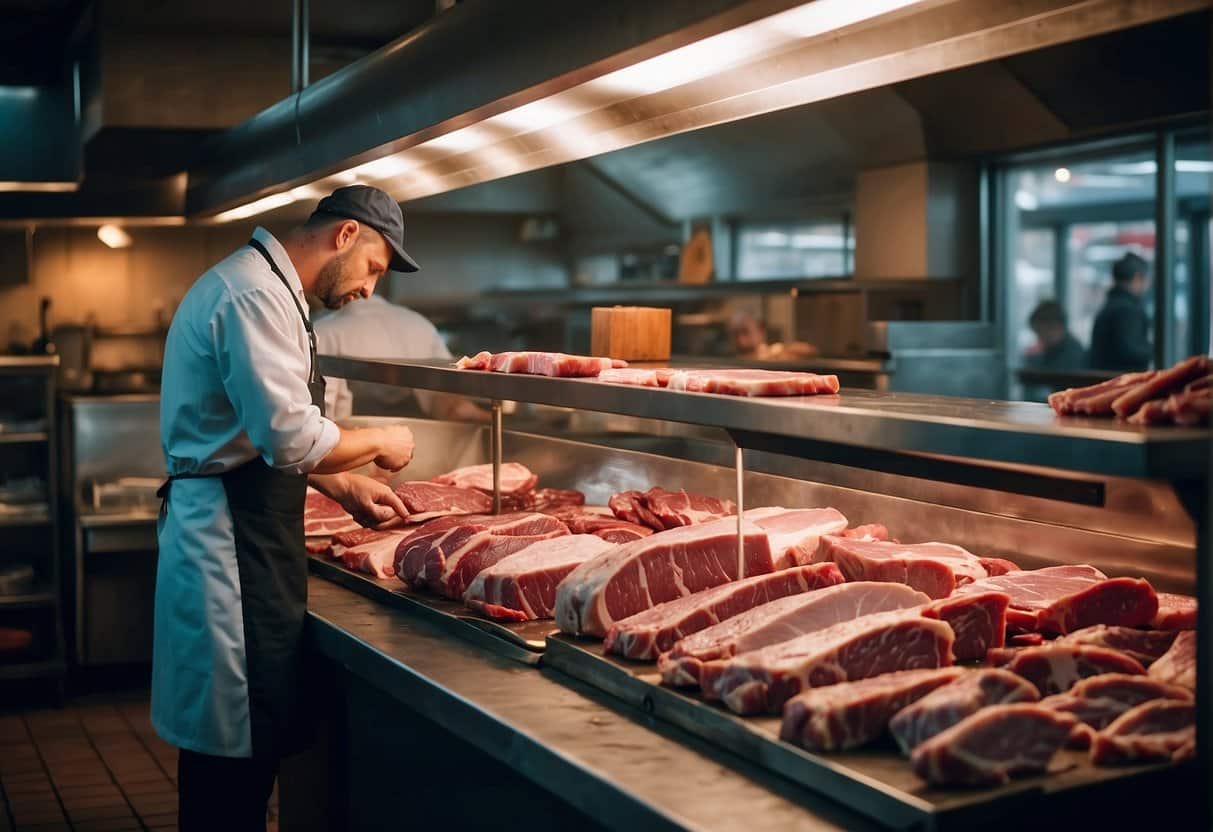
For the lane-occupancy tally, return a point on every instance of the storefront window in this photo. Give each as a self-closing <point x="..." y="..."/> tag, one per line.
<point x="792" y="250"/>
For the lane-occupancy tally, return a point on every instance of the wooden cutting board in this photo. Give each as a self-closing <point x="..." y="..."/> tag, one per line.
<point x="633" y="333"/>
<point x="695" y="265"/>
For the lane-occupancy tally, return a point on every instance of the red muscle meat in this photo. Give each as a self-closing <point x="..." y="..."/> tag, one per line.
<point x="546" y="500"/>
<point x="654" y="631"/>
<point x="426" y="500"/>
<point x="522" y="586"/>
<point x="446" y="554"/>
<point x="367" y="550"/>
<point x="661" y="509"/>
<point x="599" y="522"/>
<point x="1161" y="383"/>
<point x="998" y="566"/>
<point x="763" y="680"/>
<point x="667" y="565"/>
<point x="934" y="568"/>
<point x="1175" y="612"/>
<point x="539" y="363"/>
<point x="993" y="745"/>
<point x="868" y="531"/>
<point x="1097" y="701"/>
<point x="953" y="702"/>
<point x="753" y="382"/>
<point x="1096" y="399"/>
<point x="779" y="621"/>
<point x="1054" y="668"/>
<point x="796" y="533"/>
<point x="323" y="516"/>
<point x="1147" y="646"/>
<point x="979" y="621"/>
<point x="1153" y="730"/>
<point x="1178" y="665"/>
<point x="852" y="714"/>
<point x="636" y="377"/>
<point x="1062" y="599"/>
<point x="515" y="478"/>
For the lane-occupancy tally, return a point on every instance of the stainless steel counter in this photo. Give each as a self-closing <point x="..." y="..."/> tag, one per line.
<point x="612" y="762"/>
<point x="992" y="431"/>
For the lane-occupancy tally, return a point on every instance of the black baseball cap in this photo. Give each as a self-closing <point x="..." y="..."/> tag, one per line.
<point x="375" y="208"/>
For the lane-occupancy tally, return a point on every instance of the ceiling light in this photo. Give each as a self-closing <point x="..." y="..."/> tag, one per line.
<point x="1026" y="201"/>
<point x="39" y="187"/>
<point x="1193" y="166"/>
<point x="114" y="237"/>
<point x="1062" y="175"/>
<point x="19" y="93"/>
<point x="388" y="167"/>
<point x="257" y="206"/>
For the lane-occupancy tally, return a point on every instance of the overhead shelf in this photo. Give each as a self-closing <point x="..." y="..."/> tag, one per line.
<point x="37" y="515"/>
<point x="1016" y="433"/>
<point x="27" y="600"/>
<point x="23" y="438"/>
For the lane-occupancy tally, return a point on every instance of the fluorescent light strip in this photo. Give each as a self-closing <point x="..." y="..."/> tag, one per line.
<point x="38" y="187"/>
<point x="114" y="236"/>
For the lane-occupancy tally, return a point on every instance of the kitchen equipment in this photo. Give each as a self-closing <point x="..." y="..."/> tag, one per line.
<point x="17" y="579"/>
<point x="695" y="266"/>
<point x="633" y="333"/>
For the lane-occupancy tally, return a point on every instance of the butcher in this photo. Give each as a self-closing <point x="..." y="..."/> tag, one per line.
<point x="244" y="433"/>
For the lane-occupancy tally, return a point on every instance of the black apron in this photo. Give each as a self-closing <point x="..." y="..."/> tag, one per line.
<point x="267" y="518"/>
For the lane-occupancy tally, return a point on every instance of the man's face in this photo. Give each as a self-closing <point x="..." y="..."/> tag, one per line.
<point x="353" y="271"/>
<point x="1049" y="334"/>
<point x="1140" y="284"/>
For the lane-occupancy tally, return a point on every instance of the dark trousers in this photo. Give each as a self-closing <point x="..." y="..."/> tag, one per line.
<point x="223" y="793"/>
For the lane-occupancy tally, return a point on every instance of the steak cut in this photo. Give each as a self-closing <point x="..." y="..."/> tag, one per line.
<point x="979" y="621"/>
<point x="1147" y="646"/>
<point x="539" y="363"/>
<point x="661" y="509"/>
<point x="637" y="576"/>
<point x="795" y="533"/>
<point x="599" y="522"/>
<point x="367" y="550"/>
<point x="953" y="702"/>
<point x="868" y="531"/>
<point x="998" y="566"/>
<point x="515" y="478"/>
<point x="993" y="745"/>
<point x="1062" y="599"/>
<point x="775" y="622"/>
<point x="753" y="382"/>
<point x="445" y="554"/>
<point x="1096" y="702"/>
<point x="522" y="586"/>
<point x="1178" y="665"/>
<point x="432" y="499"/>
<point x="323" y="516"/>
<point x="1153" y="730"/>
<point x="1175" y="612"/>
<point x="1054" y="668"/>
<point x="654" y="631"/>
<point x="546" y="500"/>
<point x="763" y="680"/>
<point x="852" y="714"/>
<point x="636" y="377"/>
<point x="934" y="568"/>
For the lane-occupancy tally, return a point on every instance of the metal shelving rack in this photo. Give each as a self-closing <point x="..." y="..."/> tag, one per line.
<point x="45" y="597"/>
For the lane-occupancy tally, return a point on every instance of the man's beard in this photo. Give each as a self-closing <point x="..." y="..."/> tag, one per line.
<point x="329" y="283"/>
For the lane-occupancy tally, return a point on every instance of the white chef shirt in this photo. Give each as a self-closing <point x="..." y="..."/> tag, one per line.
<point x="375" y="328"/>
<point x="236" y="368"/>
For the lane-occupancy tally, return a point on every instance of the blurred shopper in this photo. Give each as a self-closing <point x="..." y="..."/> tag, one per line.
<point x="1120" y="339"/>
<point x="748" y="335"/>
<point x="1056" y="347"/>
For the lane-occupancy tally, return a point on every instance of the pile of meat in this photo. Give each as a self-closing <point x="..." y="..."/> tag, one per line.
<point x="734" y="382"/>
<point x="1178" y="395"/>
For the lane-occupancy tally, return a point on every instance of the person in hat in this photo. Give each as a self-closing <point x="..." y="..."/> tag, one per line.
<point x="1120" y="337"/>
<point x="244" y="434"/>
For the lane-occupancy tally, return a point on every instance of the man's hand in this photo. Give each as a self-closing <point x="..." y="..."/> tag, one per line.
<point x="396" y="449"/>
<point x="372" y="503"/>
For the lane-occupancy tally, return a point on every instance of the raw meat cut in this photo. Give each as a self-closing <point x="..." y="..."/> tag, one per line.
<point x="1175" y="612"/>
<point x="953" y="702"/>
<point x="869" y="531"/>
<point x="934" y="568"/>
<point x="367" y="550"/>
<point x="852" y="714"/>
<point x="753" y="382"/>
<point x="447" y="553"/>
<point x="1191" y="407"/>
<point x="661" y="509"/>
<point x="426" y="500"/>
<point x="1178" y="665"/>
<point x="1062" y="599"/>
<point x="763" y="680"/>
<point x="993" y="745"/>
<point x="636" y="576"/>
<point x="1054" y="668"/>
<point x="316" y="545"/>
<point x="325" y="516"/>
<point x="654" y="631"/>
<point x="640" y="378"/>
<point x="1146" y="646"/>
<point x="795" y="533"/>
<point x="601" y="523"/>
<point x="1096" y="399"/>
<point x="979" y="621"/>
<point x="1161" y="383"/>
<point x="1003" y="656"/>
<point x="515" y="478"/>
<point x="779" y="621"/>
<point x="1025" y="640"/>
<point x="522" y="586"/>
<point x="1096" y="702"/>
<point x="542" y="499"/>
<point x="998" y="566"/>
<point x="539" y="363"/>
<point x="1153" y="730"/>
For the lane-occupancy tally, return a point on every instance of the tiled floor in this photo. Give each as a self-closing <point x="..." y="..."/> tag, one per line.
<point x="93" y="766"/>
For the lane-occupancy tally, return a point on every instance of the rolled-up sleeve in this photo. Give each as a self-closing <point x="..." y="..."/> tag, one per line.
<point x="264" y="373"/>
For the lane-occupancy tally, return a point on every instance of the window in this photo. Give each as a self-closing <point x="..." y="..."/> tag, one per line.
<point x="794" y="250"/>
<point x="1191" y="299"/>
